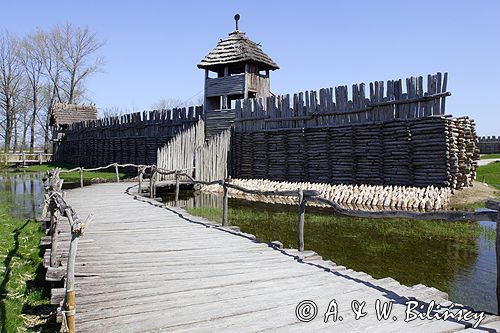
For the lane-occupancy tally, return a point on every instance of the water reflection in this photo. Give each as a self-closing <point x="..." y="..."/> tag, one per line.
<point x="24" y="191"/>
<point x="409" y="251"/>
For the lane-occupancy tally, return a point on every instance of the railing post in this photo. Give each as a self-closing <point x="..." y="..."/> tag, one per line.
<point x="81" y="176"/>
<point x="53" y="235"/>
<point x="151" y="182"/>
<point x="40" y="161"/>
<point x="302" y="210"/>
<point x="140" y="171"/>
<point x="24" y="158"/>
<point x="224" y="202"/>
<point x="497" y="248"/>
<point x="70" y="275"/>
<point x="117" y="174"/>
<point x="177" y="185"/>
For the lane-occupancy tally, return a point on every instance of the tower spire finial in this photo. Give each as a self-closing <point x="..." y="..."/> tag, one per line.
<point x="237" y="18"/>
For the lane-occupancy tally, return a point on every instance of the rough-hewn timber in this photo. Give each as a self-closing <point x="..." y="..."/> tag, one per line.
<point x="142" y="267"/>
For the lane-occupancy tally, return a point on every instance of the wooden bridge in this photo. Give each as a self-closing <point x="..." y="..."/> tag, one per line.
<point x="146" y="267"/>
<point x="25" y="158"/>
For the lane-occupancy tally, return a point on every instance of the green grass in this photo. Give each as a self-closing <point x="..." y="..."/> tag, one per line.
<point x="74" y="177"/>
<point x="489" y="156"/>
<point x="490" y="173"/>
<point x="24" y="295"/>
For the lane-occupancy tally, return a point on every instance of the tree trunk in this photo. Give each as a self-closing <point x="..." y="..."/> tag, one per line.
<point x="14" y="125"/>
<point x="47" y="131"/>
<point x="8" y="133"/>
<point x="33" y="121"/>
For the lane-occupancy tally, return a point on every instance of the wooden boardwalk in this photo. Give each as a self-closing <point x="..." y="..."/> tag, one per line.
<point x="144" y="267"/>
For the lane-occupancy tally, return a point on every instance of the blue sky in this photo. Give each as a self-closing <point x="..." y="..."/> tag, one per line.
<point x="152" y="47"/>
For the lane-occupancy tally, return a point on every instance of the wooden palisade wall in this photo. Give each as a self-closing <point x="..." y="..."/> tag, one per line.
<point x="390" y="138"/>
<point x="131" y="138"/>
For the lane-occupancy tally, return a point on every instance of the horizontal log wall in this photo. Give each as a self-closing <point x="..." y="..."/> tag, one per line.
<point x="439" y="151"/>
<point x="489" y="145"/>
<point x="131" y="138"/>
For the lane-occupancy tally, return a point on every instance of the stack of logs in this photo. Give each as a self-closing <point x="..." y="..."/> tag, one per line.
<point x="439" y="151"/>
<point x="366" y="197"/>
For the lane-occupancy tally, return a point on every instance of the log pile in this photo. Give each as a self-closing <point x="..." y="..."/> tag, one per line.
<point x="439" y="151"/>
<point x="350" y="196"/>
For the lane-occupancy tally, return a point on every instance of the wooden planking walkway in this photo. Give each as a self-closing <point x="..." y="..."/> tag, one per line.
<point x="142" y="267"/>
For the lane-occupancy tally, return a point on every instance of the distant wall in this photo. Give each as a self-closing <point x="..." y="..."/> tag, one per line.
<point x="489" y="144"/>
<point x="131" y="138"/>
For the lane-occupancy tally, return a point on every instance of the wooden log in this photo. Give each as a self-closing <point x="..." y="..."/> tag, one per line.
<point x="151" y="183"/>
<point x="70" y="310"/>
<point x="141" y="174"/>
<point x="177" y="185"/>
<point x="81" y="177"/>
<point x="224" y="203"/>
<point x="496" y="205"/>
<point x="53" y="234"/>
<point x="300" y="229"/>
<point x="117" y="173"/>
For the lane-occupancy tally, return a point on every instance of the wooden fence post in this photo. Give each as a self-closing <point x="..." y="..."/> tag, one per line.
<point x="151" y="182"/>
<point x="70" y="275"/>
<point x="117" y="174"/>
<point x="302" y="210"/>
<point x="81" y="177"/>
<point x="497" y="248"/>
<point x="53" y="235"/>
<point x="177" y="185"/>
<point x="140" y="170"/>
<point x="40" y="160"/>
<point x="224" y="203"/>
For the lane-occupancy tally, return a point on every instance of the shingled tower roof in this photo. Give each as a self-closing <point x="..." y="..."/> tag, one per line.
<point x="65" y="114"/>
<point x="237" y="48"/>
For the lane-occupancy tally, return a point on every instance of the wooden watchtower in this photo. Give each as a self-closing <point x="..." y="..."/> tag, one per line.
<point x="236" y="68"/>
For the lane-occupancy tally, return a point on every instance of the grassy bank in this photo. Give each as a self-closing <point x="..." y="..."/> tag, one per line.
<point x="489" y="156"/>
<point x="74" y="177"/>
<point x="490" y="173"/>
<point x="24" y="295"/>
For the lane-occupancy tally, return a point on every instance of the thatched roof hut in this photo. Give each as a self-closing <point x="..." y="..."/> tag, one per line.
<point x="64" y="114"/>
<point x="237" y="48"/>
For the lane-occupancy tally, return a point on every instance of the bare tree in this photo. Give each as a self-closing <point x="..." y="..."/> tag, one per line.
<point x="78" y="58"/>
<point x="69" y="58"/>
<point x="168" y="104"/>
<point x="10" y="81"/>
<point x="33" y="63"/>
<point x="43" y="68"/>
